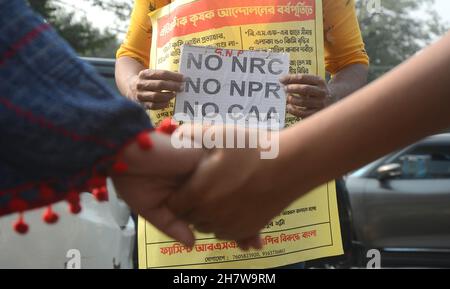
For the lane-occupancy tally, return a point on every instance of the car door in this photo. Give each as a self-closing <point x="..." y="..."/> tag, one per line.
<point x="410" y="209"/>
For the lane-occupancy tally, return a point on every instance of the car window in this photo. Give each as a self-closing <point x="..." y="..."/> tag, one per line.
<point x="110" y="81"/>
<point x="106" y="69"/>
<point x="425" y="162"/>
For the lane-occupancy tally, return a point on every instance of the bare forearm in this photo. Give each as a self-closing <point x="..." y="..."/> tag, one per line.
<point x="396" y="110"/>
<point x="126" y="69"/>
<point x="348" y="80"/>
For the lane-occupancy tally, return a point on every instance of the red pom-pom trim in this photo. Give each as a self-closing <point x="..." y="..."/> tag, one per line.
<point x="73" y="198"/>
<point x="167" y="126"/>
<point x="49" y="216"/>
<point x="20" y="226"/>
<point x="144" y="140"/>
<point x="97" y="181"/>
<point x="74" y="208"/>
<point x="101" y="194"/>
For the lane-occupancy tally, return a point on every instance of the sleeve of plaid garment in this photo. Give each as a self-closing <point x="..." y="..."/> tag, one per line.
<point x="60" y="124"/>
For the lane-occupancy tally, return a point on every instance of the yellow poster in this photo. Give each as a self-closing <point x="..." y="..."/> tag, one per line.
<point x="309" y="228"/>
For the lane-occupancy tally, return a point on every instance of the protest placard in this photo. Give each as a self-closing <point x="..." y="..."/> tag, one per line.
<point x="236" y="85"/>
<point x="309" y="228"/>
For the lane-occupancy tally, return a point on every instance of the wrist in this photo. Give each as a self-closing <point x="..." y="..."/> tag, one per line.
<point x="294" y="157"/>
<point x="148" y="160"/>
<point x="162" y="159"/>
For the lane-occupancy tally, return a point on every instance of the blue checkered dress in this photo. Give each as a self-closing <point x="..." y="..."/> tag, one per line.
<point x="59" y="122"/>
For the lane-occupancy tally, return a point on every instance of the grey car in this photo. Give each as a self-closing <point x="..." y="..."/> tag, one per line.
<point x="400" y="204"/>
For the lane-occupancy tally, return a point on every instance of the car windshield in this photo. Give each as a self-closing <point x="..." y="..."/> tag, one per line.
<point x="427" y="159"/>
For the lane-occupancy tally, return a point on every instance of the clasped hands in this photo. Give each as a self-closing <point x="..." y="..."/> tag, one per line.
<point x="231" y="193"/>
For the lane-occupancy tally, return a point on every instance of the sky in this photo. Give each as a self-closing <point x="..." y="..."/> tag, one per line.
<point x="443" y="6"/>
<point x="102" y="19"/>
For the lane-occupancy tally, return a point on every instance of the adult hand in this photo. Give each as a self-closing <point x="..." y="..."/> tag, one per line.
<point x="152" y="176"/>
<point x="233" y="193"/>
<point x="155" y="88"/>
<point x="306" y="94"/>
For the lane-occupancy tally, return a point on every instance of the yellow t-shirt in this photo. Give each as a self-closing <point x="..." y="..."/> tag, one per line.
<point x="343" y="41"/>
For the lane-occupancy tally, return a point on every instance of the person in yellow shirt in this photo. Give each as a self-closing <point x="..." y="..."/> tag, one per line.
<point x="345" y="59"/>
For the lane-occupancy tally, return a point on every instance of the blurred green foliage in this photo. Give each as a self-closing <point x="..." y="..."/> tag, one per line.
<point x="394" y="30"/>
